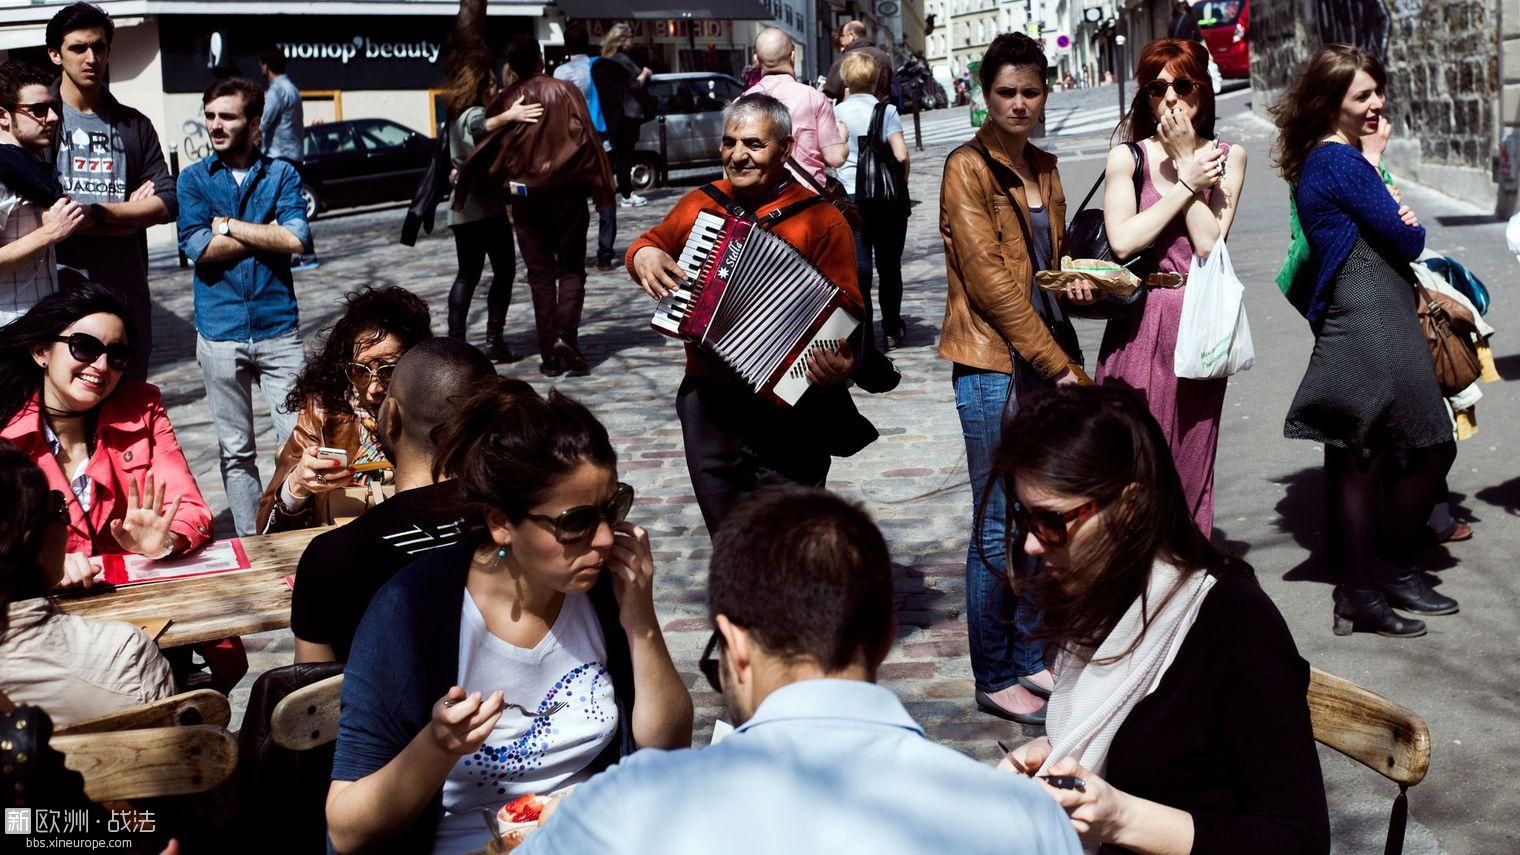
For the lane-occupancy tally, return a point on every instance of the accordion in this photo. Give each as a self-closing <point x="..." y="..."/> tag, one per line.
<point x="754" y="302"/>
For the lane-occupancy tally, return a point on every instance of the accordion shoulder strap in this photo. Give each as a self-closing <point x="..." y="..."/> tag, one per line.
<point x="767" y="221"/>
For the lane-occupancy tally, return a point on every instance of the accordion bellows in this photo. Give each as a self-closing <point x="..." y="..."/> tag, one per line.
<point x="757" y="304"/>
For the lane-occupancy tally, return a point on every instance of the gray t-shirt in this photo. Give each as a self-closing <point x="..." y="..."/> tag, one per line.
<point x="1039" y="225"/>
<point x="92" y="166"/>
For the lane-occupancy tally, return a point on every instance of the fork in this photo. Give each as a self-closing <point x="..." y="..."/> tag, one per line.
<point x="553" y="708"/>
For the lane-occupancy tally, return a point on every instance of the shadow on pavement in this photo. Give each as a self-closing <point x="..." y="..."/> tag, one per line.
<point x="1300" y="513"/>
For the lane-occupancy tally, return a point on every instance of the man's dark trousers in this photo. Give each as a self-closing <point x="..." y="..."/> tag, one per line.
<point x="550" y="224"/>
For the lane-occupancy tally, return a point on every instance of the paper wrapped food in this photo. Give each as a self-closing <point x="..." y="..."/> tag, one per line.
<point x="1105" y="276"/>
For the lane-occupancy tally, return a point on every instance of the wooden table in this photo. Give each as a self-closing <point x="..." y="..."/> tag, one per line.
<point x="206" y="608"/>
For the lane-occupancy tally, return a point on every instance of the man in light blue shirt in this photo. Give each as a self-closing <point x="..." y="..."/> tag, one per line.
<point x="824" y="761"/>
<point x="283" y="123"/>
<point x="577" y="69"/>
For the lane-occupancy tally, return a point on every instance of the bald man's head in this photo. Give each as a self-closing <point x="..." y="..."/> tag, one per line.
<point x="773" y="49"/>
<point x="430" y="382"/>
<point x="850" y="32"/>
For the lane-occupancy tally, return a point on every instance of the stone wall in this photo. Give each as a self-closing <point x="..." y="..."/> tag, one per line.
<point x="1443" y="61"/>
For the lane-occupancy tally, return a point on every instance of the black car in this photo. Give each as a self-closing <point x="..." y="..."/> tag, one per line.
<point x="361" y="162"/>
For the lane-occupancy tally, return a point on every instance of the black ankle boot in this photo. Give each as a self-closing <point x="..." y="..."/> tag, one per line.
<point x="1410" y="592"/>
<point x="1368" y="611"/>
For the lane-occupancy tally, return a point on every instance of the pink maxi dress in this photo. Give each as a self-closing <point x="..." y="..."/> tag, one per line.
<point x="1138" y="352"/>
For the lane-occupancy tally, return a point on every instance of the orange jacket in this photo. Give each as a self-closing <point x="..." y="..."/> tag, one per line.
<point x="819" y="232"/>
<point x="133" y="437"/>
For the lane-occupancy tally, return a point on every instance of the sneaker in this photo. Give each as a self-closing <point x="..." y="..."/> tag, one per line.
<point x="604" y="266"/>
<point x="632" y="200"/>
<point x="305" y="262"/>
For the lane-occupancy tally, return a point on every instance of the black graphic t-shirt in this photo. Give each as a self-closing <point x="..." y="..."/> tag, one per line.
<point x="341" y="570"/>
<point x="92" y="167"/>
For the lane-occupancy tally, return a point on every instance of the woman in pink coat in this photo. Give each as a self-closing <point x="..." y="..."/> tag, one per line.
<point x="104" y="443"/>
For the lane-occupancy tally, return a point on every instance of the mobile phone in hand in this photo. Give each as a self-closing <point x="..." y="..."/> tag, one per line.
<point x="338" y="454"/>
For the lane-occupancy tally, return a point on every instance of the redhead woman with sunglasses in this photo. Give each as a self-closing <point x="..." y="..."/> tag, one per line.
<point x="105" y="443"/>
<point x="338" y="395"/>
<point x="1189" y="194"/>
<point x="1180" y="697"/>
<point x="521" y="661"/>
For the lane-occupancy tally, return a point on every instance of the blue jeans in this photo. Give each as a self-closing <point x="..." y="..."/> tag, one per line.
<point x="997" y="621"/>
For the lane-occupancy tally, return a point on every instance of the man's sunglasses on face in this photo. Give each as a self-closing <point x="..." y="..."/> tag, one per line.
<point x="38" y="110"/>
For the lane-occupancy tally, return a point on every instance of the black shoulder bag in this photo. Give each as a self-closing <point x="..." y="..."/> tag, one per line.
<point x="879" y="176"/>
<point x="1087" y="237"/>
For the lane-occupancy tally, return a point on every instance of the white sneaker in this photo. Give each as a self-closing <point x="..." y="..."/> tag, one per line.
<point x="633" y="200"/>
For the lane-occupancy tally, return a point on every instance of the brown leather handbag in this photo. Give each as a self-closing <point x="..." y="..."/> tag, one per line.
<point x="1448" y="329"/>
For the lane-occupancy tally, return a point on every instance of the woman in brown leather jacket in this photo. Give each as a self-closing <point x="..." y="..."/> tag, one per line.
<point x="338" y="394"/>
<point x="1002" y="213"/>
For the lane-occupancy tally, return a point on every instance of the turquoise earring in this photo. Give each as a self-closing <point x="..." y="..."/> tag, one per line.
<point x="502" y="552"/>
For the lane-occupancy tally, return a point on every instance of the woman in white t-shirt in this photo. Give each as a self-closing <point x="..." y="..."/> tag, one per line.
<point x="886" y="224"/>
<point x="523" y="660"/>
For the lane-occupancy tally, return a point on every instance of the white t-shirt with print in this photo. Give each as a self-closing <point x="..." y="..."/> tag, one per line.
<point x="528" y="755"/>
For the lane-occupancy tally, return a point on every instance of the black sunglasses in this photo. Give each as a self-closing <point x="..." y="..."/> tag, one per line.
<point x="362" y="375"/>
<point x="1183" y="85"/>
<point x="1050" y="527"/>
<point x="40" y="109"/>
<point x="87" y="348"/>
<point x="579" y="522"/>
<point x="710" y="664"/>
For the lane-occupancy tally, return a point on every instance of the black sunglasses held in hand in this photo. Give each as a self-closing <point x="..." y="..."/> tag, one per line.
<point x="1049" y="527"/>
<point x="87" y="348"/>
<point x="579" y="522"/>
<point x="710" y="665"/>
<point x="1157" y="88"/>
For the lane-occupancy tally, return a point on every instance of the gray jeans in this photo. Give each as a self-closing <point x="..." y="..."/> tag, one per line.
<point x="231" y="368"/>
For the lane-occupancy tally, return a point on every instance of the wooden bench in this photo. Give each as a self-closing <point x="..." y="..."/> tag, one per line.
<point x="151" y="762"/>
<point x="202" y="706"/>
<point x="1375" y="732"/>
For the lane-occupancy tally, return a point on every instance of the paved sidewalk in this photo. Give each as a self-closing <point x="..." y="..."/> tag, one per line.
<point x="1461" y="677"/>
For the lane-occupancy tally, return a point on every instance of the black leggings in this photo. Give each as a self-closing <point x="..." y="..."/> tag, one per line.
<point x="472" y="243"/>
<point x="1375" y="501"/>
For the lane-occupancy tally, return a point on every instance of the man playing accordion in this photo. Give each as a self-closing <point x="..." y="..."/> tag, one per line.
<point x="738" y="441"/>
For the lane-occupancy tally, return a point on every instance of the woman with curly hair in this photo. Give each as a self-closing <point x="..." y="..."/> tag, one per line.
<point x="1369" y="396"/>
<point x="480" y="226"/>
<point x="338" y="394"/>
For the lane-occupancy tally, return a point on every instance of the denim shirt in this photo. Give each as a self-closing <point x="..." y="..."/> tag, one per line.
<point x="283" y="122"/>
<point x="252" y="298"/>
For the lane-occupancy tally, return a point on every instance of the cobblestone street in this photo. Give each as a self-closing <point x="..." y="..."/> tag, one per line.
<point x="914" y="480"/>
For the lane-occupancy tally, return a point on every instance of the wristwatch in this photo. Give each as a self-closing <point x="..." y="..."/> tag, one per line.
<point x="222" y="227"/>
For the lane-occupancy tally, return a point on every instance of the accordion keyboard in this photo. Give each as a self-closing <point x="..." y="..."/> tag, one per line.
<point x="697" y="255"/>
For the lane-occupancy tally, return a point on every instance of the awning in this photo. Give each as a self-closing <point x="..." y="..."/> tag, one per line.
<point x="660" y="10"/>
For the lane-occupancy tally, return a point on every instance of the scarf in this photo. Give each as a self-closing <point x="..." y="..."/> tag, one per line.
<point x="28" y="177"/>
<point x="1091" y="701"/>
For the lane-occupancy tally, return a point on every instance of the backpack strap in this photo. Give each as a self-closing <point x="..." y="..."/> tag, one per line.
<point x="767" y="221"/>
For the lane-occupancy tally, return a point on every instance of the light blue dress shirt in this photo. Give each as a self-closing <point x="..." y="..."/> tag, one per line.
<point x="825" y="766"/>
<point x="283" y="124"/>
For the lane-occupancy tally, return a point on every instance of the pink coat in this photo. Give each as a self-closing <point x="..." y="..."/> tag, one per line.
<point x="133" y="437"/>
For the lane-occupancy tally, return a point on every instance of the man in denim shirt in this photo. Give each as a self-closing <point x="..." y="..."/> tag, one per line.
<point x="241" y="218"/>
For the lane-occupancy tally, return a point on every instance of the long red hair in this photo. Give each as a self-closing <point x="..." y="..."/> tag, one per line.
<point x="1183" y="59"/>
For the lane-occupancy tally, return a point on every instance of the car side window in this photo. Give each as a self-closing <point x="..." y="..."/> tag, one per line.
<point x="664" y="94"/>
<point x="328" y="139"/>
<point x="379" y="135"/>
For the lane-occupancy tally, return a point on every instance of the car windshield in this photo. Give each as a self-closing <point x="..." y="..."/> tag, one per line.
<point x="1217" y="13"/>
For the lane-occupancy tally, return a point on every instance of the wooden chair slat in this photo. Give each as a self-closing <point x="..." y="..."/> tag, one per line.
<point x="1369" y="728"/>
<point x="307" y="717"/>
<point x="149" y="763"/>
<point x="202" y="706"/>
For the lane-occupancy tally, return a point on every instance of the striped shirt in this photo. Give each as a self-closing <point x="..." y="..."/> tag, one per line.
<point x="37" y="277"/>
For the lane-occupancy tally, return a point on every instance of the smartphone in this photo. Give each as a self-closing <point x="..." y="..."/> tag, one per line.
<point x="338" y="454"/>
<point x="1224" y="163"/>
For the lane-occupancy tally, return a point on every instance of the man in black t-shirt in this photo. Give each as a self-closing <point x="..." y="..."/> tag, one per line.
<point x="342" y="570"/>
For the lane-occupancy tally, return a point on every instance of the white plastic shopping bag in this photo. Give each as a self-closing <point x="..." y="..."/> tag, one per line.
<point x="1214" y="339"/>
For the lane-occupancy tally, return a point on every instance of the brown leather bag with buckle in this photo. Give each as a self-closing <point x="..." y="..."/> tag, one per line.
<point x="1448" y="329"/>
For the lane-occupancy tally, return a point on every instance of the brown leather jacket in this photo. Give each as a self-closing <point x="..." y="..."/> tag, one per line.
<point x="561" y="149"/>
<point x="314" y="426"/>
<point x="987" y="265"/>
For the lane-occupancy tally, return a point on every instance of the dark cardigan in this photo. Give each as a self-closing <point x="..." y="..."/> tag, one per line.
<point x="1226" y="735"/>
<point x="405" y="657"/>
